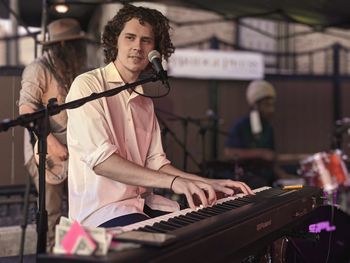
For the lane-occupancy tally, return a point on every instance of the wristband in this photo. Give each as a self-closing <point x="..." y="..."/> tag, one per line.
<point x="172" y="182"/>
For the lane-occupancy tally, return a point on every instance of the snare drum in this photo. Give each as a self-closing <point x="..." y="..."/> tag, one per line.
<point x="325" y="170"/>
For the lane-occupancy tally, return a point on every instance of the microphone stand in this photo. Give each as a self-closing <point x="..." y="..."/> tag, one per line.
<point x="202" y="131"/>
<point x="25" y="215"/>
<point x="341" y="126"/>
<point x="185" y="125"/>
<point x="178" y="141"/>
<point x="184" y="121"/>
<point x="39" y="123"/>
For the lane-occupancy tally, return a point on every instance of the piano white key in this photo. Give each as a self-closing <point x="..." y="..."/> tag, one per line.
<point x="230" y="198"/>
<point x="151" y="221"/>
<point x="257" y="190"/>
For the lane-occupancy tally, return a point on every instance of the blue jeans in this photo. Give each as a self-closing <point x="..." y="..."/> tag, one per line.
<point x="133" y="218"/>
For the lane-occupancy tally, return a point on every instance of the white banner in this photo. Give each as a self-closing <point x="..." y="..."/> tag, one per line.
<point x="216" y="64"/>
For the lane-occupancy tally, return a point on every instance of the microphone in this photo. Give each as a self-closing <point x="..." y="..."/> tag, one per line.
<point x="154" y="58"/>
<point x="211" y="115"/>
<point x="342" y="126"/>
<point x="255" y="122"/>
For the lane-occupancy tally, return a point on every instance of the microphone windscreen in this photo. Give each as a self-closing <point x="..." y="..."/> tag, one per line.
<point x="152" y="55"/>
<point x="255" y="122"/>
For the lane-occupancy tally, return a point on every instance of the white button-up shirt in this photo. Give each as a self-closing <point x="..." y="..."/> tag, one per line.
<point x="124" y="124"/>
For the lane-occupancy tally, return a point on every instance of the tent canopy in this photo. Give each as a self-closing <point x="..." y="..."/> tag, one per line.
<point x="316" y="13"/>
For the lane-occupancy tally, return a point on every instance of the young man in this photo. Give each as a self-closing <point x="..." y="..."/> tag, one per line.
<point x="251" y="138"/>
<point x="116" y="155"/>
<point x="50" y="76"/>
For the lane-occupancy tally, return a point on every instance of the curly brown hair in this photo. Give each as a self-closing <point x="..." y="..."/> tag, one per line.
<point x="156" y="19"/>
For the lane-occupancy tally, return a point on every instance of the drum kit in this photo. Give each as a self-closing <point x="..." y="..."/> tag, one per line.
<point x="326" y="170"/>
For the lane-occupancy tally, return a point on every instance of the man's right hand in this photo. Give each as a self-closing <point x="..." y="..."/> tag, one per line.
<point x="191" y="188"/>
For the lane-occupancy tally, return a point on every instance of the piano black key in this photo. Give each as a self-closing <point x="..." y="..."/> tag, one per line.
<point x="247" y="199"/>
<point x="159" y="229"/>
<point x="209" y="210"/>
<point x="188" y="219"/>
<point x="206" y="213"/>
<point x="239" y="202"/>
<point x="170" y="224"/>
<point x="219" y="209"/>
<point x="224" y="207"/>
<point x="234" y="203"/>
<point x="163" y="226"/>
<point x="229" y="204"/>
<point x="152" y="229"/>
<point x="179" y="221"/>
<point x="146" y="229"/>
<point x="196" y="216"/>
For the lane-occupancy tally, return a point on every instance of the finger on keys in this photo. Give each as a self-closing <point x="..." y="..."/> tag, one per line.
<point x="200" y="193"/>
<point x="244" y="188"/>
<point x="224" y="189"/>
<point x="190" y="201"/>
<point x="211" y="196"/>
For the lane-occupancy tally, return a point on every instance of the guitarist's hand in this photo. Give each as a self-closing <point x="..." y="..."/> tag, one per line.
<point x="54" y="147"/>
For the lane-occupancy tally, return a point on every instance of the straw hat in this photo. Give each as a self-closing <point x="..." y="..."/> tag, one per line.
<point x="259" y="89"/>
<point x="62" y="30"/>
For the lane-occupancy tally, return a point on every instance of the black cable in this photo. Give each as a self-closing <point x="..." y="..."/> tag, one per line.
<point x="165" y="84"/>
<point x="155" y="96"/>
<point x="331" y="223"/>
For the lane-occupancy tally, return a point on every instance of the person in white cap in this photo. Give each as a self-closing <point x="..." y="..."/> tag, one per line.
<point x="251" y="138"/>
<point x="50" y="76"/>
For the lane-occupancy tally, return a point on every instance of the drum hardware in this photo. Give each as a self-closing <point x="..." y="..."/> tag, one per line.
<point x="327" y="238"/>
<point x="342" y="126"/>
<point x="326" y="170"/>
<point x="238" y="170"/>
<point x="303" y="235"/>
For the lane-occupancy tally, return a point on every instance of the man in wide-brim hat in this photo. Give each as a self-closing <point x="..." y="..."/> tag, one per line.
<point x="50" y="76"/>
<point x="63" y="29"/>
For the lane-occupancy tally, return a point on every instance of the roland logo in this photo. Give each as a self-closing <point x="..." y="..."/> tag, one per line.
<point x="263" y="225"/>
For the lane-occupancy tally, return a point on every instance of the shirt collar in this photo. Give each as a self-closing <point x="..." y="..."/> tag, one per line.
<point x="113" y="76"/>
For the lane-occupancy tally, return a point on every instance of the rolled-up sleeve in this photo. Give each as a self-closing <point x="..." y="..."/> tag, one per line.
<point x="88" y="132"/>
<point x="33" y="86"/>
<point x="99" y="155"/>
